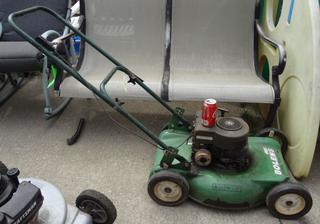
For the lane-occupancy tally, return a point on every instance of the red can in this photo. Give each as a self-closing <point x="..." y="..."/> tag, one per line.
<point x="209" y="113"/>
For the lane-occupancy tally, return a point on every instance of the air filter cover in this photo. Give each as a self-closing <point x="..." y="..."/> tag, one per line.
<point x="231" y="133"/>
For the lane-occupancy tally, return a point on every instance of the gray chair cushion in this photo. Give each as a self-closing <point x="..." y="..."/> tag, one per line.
<point x="133" y="32"/>
<point x="15" y="54"/>
<point x="212" y="53"/>
<point x="18" y="57"/>
<point x="34" y="24"/>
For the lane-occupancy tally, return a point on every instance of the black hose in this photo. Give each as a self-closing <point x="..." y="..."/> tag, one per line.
<point x="74" y="138"/>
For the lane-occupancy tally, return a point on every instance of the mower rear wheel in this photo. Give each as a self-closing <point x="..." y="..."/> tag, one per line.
<point x="276" y="134"/>
<point x="289" y="201"/>
<point x="96" y="204"/>
<point x="3" y="168"/>
<point x="168" y="188"/>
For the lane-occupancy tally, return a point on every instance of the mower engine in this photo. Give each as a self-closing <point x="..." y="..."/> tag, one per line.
<point x="19" y="202"/>
<point x="223" y="146"/>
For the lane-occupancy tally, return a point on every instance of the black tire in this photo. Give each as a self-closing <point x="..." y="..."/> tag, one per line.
<point x="3" y="168"/>
<point x="277" y="135"/>
<point x="98" y="206"/>
<point x="168" y="188"/>
<point x="289" y="201"/>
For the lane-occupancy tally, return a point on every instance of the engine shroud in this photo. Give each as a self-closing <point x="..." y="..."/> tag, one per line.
<point x="227" y="142"/>
<point x="19" y="202"/>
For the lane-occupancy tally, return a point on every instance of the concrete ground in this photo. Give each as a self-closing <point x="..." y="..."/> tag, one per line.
<point x="109" y="159"/>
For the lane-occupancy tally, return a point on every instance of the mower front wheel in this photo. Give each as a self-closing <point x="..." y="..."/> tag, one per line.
<point x="98" y="206"/>
<point x="289" y="201"/>
<point x="168" y="188"/>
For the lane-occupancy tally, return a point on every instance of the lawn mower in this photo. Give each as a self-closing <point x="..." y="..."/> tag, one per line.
<point x="218" y="166"/>
<point x="36" y="201"/>
<point x="224" y="168"/>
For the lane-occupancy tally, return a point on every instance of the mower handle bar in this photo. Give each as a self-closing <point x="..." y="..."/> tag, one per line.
<point x="102" y="94"/>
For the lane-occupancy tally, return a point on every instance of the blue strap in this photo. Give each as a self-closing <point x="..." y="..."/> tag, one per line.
<point x="291" y="11"/>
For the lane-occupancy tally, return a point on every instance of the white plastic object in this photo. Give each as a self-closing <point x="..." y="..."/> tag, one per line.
<point x="299" y="112"/>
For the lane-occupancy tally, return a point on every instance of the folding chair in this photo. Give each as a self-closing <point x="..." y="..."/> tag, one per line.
<point x="19" y="57"/>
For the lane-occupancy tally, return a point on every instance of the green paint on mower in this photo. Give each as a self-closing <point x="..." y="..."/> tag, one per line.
<point x="222" y="167"/>
<point x="227" y="189"/>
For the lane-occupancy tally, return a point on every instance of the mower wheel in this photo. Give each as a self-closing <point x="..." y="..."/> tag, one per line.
<point x="289" y="201"/>
<point x="276" y="134"/>
<point x="3" y="168"/>
<point x="96" y="204"/>
<point x="168" y="188"/>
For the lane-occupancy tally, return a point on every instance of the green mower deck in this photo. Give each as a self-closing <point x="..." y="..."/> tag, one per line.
<point x="230" y="189"/>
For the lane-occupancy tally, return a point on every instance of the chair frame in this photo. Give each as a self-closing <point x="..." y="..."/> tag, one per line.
<point x="49" y="110"/>
<point x="5" y="80"/>
<point x="277" y="70"/>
